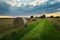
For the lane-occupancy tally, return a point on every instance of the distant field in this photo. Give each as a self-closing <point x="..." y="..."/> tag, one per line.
<point x="41" y="29"/>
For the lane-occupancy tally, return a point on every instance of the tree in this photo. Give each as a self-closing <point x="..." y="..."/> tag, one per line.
<point x="43" y="16"/>
<point x="51" y="16"/>
<point x="32" y="17"/>
<point x="57" y="17"/>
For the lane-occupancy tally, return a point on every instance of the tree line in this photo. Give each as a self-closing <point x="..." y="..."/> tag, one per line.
<point x="44" y="16"/>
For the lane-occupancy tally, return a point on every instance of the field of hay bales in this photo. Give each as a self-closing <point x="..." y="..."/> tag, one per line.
<point x="41" y="29"/>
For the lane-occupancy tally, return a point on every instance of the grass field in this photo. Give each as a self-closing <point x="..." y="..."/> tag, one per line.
<point x="41" y="29"/>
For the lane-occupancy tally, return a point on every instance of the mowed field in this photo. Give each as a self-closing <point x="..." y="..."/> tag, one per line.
<point x="41" y="29"/>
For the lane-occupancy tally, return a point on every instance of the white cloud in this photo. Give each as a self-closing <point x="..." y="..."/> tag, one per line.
<point x="57" y="0"/>
<point x="11" y="2"/>
<point x="37" y="2"/>
<point x="19" y="3"/>
<point x="54" y="1"/>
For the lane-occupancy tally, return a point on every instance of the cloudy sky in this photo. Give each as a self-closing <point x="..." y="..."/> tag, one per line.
<point x="28" y="7"/>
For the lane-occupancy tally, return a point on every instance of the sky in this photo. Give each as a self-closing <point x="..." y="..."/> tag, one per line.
<point x="28" y="7"/>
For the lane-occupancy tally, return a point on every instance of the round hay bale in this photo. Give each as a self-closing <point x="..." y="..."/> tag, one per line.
<point x="19" y="22"/>
<point x="33" y="19"/>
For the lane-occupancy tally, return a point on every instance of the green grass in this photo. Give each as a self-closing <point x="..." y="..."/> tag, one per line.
<point x="33" y="33"/>
<point x="49" y="32"/>
<point x="18" y="33"/>
<point x="45" y="30"/>
<point x="42" y="29"/>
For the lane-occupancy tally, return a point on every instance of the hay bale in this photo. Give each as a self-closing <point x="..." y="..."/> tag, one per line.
<point x="19" y="22"/>
<point x="33" y="19"/>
